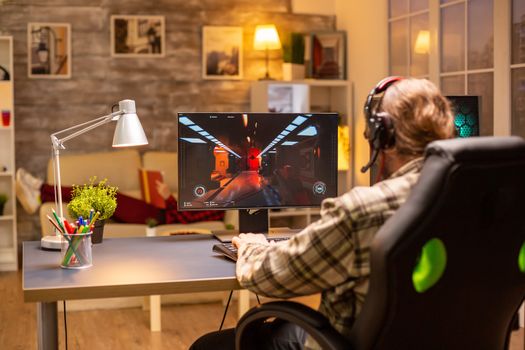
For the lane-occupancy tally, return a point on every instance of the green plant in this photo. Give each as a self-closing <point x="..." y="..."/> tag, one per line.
<point x="3" y="198"/>
<point x="152" y="222"/>
<point x="99" y="197"/>
<point x="293" y="48"/>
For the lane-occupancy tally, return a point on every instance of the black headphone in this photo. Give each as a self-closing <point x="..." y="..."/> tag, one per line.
<point x="379" y="126"/>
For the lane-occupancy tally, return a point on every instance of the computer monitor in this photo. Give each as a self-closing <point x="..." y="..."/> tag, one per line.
<point x="466" y="115"/>
<point x="250" y="161"/>
<point x="466" y="121"/>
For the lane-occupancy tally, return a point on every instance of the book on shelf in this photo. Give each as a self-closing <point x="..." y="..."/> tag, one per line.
<point x="148" y="186"/>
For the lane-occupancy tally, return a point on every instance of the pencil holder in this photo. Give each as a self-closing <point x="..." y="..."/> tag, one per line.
<point x="76" y="251"/>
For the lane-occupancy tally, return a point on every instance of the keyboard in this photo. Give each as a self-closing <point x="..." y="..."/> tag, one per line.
<point x="229" y="251"/>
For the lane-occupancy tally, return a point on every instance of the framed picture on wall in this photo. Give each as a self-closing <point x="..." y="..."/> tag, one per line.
<point x="138" y="36"/>
<point x="222" y="52"/>
<point x="5" y="59"/>
<point x="327" y="55"/>
<point x="49" y="50"/>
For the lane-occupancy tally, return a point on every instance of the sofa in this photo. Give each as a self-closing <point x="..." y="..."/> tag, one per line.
<point x="121" y="170"/>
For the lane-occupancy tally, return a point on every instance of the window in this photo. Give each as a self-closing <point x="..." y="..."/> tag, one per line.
<point x="518" y="67"/>
<point x="466" y="53"/>
<point x="409" y="37"/>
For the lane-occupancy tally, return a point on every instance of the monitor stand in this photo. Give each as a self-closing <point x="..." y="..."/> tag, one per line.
<point x="253" y="220"/>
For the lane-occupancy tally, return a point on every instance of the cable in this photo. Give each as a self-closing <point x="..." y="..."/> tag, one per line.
<point x="226" y="310"/>
<point x="258" y="301"/>
<point x="381" y="169"/>
<point x="65" y="322"/>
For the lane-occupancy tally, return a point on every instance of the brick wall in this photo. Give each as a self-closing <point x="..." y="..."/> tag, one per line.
<point x="160" y="86"/>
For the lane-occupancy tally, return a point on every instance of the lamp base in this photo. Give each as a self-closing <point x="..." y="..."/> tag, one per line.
<point x="51" y="242"/>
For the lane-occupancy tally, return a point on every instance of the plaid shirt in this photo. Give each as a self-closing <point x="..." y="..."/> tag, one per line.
<point x="331" y="255"/>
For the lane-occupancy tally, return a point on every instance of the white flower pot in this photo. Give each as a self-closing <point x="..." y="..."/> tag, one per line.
<point x="151" y="232"/>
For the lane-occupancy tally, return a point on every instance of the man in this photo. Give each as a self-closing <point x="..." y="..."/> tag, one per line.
<point x="332" y="256"/>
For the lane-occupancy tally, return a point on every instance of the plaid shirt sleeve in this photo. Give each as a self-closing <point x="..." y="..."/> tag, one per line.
<point x="316" y="259"/>
<point x="330" y="252"/>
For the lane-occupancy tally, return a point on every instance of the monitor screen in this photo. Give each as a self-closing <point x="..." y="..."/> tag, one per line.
<point x="466" y="115"/>
<point x="256" y="160"/>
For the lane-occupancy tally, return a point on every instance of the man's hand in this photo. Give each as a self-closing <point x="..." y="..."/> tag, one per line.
<point x="163" y="189"/>
<point x="244" y="238"/>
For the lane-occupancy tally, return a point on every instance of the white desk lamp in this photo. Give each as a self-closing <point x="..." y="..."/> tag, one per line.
<point x="128" y="133"/>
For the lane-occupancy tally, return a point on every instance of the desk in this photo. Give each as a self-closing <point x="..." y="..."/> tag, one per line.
<point x="122" y="267"/>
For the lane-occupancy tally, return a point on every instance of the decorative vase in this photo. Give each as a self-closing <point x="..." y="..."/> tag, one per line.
<point x="98" y="232"/>
<point x="293" y="71"/>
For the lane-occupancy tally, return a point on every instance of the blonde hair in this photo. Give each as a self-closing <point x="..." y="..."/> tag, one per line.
<point x="420" y="114"/>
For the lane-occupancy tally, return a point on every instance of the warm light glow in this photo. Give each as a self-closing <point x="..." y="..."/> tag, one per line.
<point x="245" y="120"/>
<point x="422" y="42"/>
<point x="343" y="148"/>
<point x="266" y="37"/>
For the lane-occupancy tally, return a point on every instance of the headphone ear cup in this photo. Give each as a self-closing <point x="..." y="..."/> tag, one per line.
<point x="384" y="135"/>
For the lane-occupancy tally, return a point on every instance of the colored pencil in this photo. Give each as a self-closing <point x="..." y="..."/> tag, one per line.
<point x="95" y="218"/>
<point x="58" y="220"/>
<point x="55" y="224"/>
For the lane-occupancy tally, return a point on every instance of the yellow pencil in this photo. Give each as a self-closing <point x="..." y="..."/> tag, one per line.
<point x="92" y="224"/>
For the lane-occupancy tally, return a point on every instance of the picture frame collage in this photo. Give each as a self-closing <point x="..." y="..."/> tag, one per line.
<point x="144" y="36"/>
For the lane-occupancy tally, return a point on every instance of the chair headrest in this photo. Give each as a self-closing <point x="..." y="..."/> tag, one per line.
<point x="477" y="148"/>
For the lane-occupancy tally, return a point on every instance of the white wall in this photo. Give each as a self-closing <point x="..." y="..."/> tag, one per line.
<point x="366" y="23"/>
<point x="316" y="7"/>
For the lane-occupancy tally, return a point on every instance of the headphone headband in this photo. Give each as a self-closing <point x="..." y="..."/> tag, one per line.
<point x="385" y="83"/>
<point x="380" y="129"/>
<point x="379" y="88"/>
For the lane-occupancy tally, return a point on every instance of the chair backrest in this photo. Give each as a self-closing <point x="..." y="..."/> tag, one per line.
<point x="468" y="205"/>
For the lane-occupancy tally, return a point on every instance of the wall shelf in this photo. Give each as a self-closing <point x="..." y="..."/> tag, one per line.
<point x="8" y="229"/>
<point x="293" y="212"/>
<point x="306" y="96"/>
<point x="311" y="82"/>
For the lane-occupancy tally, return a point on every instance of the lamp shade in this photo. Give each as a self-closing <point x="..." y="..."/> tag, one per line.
<point x="129" y="131"/>
<point x="266" y="37"/>
<point x="422" y="42"/>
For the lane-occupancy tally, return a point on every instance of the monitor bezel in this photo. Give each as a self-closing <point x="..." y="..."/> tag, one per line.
<point x="327" y="114"/>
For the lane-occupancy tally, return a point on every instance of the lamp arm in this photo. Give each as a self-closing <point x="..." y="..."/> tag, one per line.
<point x="90" y="125"/>
<point x="58" y="144"/>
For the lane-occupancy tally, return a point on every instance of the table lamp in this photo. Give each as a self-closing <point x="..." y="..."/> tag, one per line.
<point x="128" y="132"/>
<point x="266" y="38"/>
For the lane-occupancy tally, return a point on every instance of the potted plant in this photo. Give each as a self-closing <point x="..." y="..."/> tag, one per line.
<point x="293" y="57"/>
<point x="3" y="200"/>
<point x="100" y="197"/>
<point x="151" y="223"/>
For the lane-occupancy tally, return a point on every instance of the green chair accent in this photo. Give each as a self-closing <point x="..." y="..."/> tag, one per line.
<point x="521" y="258"/>
<point x="431" y="265"/>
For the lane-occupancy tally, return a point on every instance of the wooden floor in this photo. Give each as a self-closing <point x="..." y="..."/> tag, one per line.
<point x="116" y="329"/>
